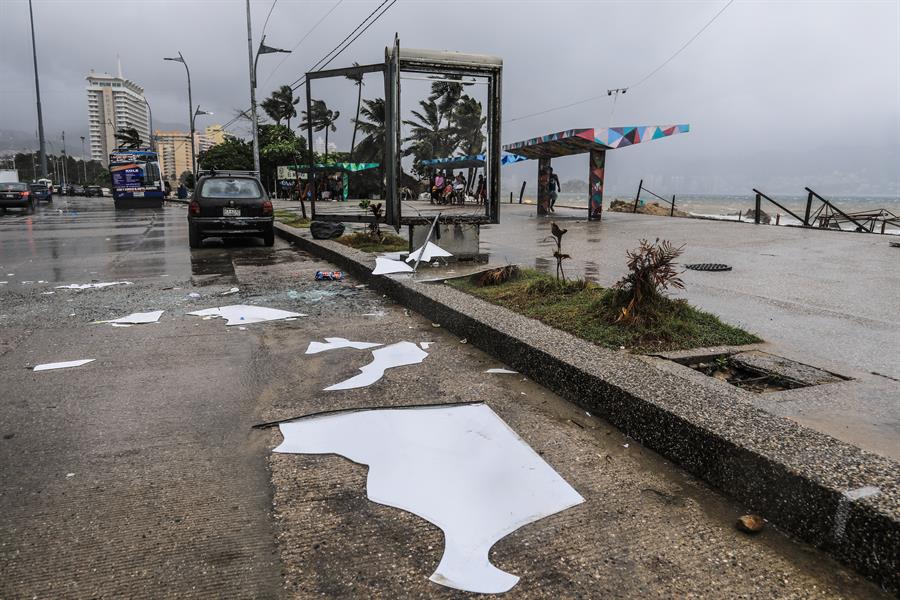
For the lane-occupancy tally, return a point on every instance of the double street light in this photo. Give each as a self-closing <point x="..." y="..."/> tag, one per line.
<point x="196" y="114"/>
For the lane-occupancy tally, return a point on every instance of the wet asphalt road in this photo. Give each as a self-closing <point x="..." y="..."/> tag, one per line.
<point x="138" y="475"/>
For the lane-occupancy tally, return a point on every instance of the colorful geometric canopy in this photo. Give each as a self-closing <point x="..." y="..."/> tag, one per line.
<point x="578" y="141"/>
<point x="351" y="167"/>
<point x="475" y="160"/>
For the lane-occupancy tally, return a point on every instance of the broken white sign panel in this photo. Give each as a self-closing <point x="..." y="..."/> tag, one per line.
<point x="62" y="365"/>
<point x="395" y="355"/>
<point x="384" y="266"/>
<point x="334" y="343"/>
<point x="137" y="318"/>
<point x="91" y="286"/>
<point x="459" y="467"/>
<point x="431" y="252"/>
<point x="242" y="314"/>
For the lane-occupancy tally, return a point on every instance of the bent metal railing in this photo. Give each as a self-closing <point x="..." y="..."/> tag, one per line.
<point x="828" y="216"/>
<point x="637" y="199"/>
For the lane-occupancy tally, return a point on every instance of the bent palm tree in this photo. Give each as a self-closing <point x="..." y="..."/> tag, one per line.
<point x="371" y="147"/>
<point x="428" y="139"/>
<point x="281" y="105"/>
<point x="128" y="137"/>
<point x="321" y="118"/>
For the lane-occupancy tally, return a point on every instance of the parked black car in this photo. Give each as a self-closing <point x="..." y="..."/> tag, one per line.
<point x="93" y="190"/>
<point x="230" y="204"/>
<point x="78" y="190"/>
<point x="16" y="195"/>
<point x="41" y="192"/>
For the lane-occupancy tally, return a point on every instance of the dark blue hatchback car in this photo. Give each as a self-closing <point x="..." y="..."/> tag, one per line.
<point x="41" y="192"/>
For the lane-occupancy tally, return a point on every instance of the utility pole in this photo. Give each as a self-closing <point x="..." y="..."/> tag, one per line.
<point x="190" y="114"/>
<point x="252" y="92"/>
<point x="150" y="112"/>
<point x="83" y="161"/>
<point x="37" y="91"/>
<point x="65" y="164"/>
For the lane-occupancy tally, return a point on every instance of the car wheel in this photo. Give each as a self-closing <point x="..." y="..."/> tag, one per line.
<point x="194" y="237"/>
<point x="269" y="236"/>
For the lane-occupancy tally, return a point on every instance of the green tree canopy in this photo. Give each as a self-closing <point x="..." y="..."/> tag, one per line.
<point x="232" y="154"/>
<point x="371" y="147"/>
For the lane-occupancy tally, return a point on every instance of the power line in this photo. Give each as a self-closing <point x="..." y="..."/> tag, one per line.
<point x="639" y="82"/>
<point x="303" y="39"/>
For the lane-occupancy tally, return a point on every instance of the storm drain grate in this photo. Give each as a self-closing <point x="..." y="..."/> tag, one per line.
<point x="709" y="267"/>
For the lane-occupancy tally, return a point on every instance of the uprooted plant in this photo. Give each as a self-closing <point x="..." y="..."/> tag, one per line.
<point x="375" y="225"/>
<point x="651" y="271"/>
<point x="558" y="255"/>
<point x="496" y="276"/>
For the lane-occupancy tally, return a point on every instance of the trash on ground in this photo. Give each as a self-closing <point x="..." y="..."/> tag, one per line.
<point x="443" y="463"/>
<point x="395" y="355"/>
<point x="435" y="325"/>
<point x="393" y="255"/>
<point x="431" y="252"/>
<point x="504" y="371"/>
<point x="243" y="314"/>
<point x="91" y="286"/>
<point x="42" y="293"/>
<point x="425" y="345"/>
<point x="333" y="343"/>
<point x="193" y="295"/>
<point x="62" y="365"/>
<point x="137" y="318"/>
<point x="233" y="290"/>
<point x="464" y="341"/>
<point x="384" y="266"/>
<point x="750" y="523"/>
<point x="329" y="275"/>
<point x="312" y="295"/>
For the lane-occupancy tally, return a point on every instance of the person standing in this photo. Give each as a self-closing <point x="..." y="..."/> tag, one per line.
<point x="553" y="187"/>
<point x="480" y="190"/>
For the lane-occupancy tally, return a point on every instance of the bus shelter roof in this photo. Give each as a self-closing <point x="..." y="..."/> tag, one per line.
<point x="474" y="160"/>
<point x="579" y="141"/>
<point x="343" y="166"/>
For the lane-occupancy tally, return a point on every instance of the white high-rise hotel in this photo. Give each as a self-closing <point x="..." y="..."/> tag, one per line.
<point x="114" y="103"/>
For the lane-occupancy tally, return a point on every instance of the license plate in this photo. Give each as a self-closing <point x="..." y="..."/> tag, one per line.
<point x="10" y="195"/>
<point x="138" y="194"/>
<point x="231" y="212"/>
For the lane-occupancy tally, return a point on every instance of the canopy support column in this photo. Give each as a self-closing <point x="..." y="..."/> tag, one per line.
<point x="595" y="181"/>
<point x="543" y="199"/>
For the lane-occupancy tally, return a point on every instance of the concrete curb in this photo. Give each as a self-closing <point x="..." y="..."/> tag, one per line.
<point x="809" y="484"/>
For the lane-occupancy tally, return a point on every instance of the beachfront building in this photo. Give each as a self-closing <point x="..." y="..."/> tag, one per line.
<point x="114" y="103"/>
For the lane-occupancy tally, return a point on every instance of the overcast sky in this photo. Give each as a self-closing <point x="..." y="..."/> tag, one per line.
<point x="778" y="94"/>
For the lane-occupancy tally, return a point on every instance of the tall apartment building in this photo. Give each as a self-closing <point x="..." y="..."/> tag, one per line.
<point x="174" y="149"/>
<point x="114" y="103"/>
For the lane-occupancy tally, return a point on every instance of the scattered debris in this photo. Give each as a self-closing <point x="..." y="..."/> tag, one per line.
<point x="425" y="345"/>
<point x="42" y="293"/>
<point x="334" y="343"/>
<point x="233" y="290"/>
<point x="393" y="255"/>
<point x="243" y="314"/>
<point x="431" y="252"/>
<point x="312" y="295"/>
<point x="384" y="266"/>
<point x="435" y="325"/>
<point x="136" y="318"/>
<point x="70" y="475"/>
<point x="329" y="275"/>
<point x="193" y="295"/>
<point x="91" y="286"/>
<point x="442" y="464"/>
<point x="395" y="355"/>
<point x="750" y="523"/>
<point x="464" y="341"/>
<point x="496" y="276"/>
<point x="501" y="371"/>
<point x="62" y="365"/>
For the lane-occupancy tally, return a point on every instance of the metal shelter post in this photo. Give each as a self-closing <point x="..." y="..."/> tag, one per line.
<point x="543" y="197"/>
<point x="595" y="180"/>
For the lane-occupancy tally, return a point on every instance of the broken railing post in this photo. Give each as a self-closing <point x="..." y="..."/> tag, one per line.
<point x="510" y="197"/>
<point x="808" y="209"/>
<point x="521" y="192"/>
<point x="758" y="202"/>
<point x="672" y="210"/>
<point x="637" y="196"/>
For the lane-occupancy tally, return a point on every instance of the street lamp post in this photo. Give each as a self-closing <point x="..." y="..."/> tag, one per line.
<point x="83" y="161"/>
<point x="37" y="90"/>
<point x="180" y="59"/>
<point x="196" y="114"/>
<point x="150" y="112"/>
<point x="263" y="49"/>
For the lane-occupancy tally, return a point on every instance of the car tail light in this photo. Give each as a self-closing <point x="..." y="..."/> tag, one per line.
<point x="26" y="194"/>
<point x="267" y="207"/>
<point x="194" y="207"/>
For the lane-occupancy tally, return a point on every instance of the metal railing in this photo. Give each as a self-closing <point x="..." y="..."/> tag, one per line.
<point x="637" y="199"/>
<point x="829" y="216"/>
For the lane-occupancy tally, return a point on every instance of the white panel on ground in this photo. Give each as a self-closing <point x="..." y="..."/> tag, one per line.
<point x="137" y="318"/>
<point x="395" y="355"/>
<point x="384" y="266"/>
<point x="459" y="467"/>
<point x="242" y="314"/>
<point x="431" y="251"/>
<point x="333" y="343"/>
<point x="91" y="286"/>
<point x="507" y="371"/>
<point x="62" y="365"/>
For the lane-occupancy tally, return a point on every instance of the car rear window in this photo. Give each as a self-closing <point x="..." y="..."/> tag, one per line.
<point x="13" y="187"/>
<point x="230" y="188"/>
<point x="39" y="187"/>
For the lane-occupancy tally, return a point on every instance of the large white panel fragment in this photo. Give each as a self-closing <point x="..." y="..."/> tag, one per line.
<point x="395" y="355"/>
<point x="334" y="343"/>
<point x="459" y="467"/>
<point x="384" y="266"/>
<point x="91" y="286"/>
<point x="431" y="252"/>
<point x="241" y="314"/>
<point x="62" y="365"/>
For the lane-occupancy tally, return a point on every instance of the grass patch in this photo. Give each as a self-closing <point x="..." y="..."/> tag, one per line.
<point x="366" y="242"/>
<point x="588" y="311"/>
<point x="289" y="217"/>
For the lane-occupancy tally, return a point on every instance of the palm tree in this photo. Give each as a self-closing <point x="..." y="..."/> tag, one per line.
<point x="128" y="137"/>
<point x="446" y="94"/>
<point x="468" y="123"/>
<point x="428" y="138"/>
<point x="321" y="118"/>
<point x="281" y="105"/>
<point x="371" y="147"/>
<point x="357" y="79"/>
